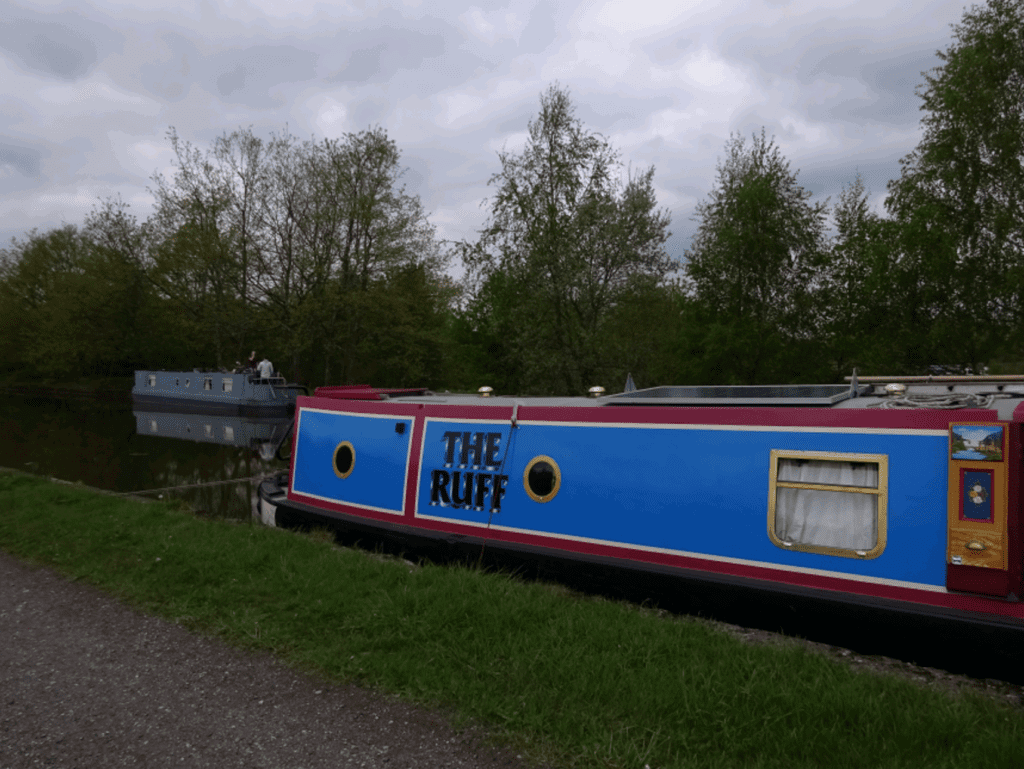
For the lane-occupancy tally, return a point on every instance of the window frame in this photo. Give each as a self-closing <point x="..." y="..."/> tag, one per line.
<point x="881" y="492"/>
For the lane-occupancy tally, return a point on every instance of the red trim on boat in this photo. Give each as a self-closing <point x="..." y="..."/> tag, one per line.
<point x="364" y="392"/>
<point x="752" y="417"/>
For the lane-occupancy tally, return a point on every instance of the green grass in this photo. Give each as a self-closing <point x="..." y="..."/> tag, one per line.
<point x="570" y="680"/>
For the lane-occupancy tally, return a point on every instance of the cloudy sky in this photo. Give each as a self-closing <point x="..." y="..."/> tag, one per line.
<point x="88" y="90"/>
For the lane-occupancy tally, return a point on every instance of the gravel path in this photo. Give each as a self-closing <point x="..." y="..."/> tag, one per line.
<point x="87" y="682"/>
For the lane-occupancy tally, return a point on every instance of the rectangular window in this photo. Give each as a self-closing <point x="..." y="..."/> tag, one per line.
<point x="207" y="383"/>
<point x="151" y="380"/>
<point x="225" y="384"/>
<point x="833" y="504"/>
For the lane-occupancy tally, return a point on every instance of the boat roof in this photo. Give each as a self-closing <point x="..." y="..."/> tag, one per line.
<point x="1000" y="393"/>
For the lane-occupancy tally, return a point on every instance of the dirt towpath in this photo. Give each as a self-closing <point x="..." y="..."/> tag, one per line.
<point x="87" y="682"/>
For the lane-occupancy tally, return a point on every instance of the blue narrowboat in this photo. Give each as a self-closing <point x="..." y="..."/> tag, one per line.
<point x="213" y="392"/>
<point x="902" y="494"/>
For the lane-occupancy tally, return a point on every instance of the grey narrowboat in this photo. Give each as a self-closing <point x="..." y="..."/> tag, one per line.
<point x="213" y="392"/>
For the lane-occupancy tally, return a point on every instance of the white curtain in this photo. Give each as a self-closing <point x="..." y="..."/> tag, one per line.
<point x="839" y="519"/>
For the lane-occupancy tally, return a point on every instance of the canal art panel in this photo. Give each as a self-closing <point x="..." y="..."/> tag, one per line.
<point x="981" y="443"/>
<point x="976" y="503"/>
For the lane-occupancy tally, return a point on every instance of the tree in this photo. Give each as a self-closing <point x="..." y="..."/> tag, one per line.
<point x="360" y="229"/>
<point x="41" y="307"/>
<point x="752" y="269"/>
<point x="197" y="260"/>
<point x="279" y="244"/>
<point x="124" y="325"/>
<point x="864" y="301"/>
<point x="565" y="238"/>
<point x="960" y="196"/>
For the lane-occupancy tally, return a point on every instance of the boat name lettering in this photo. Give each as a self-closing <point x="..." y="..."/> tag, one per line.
<point x="469" y="489"/>
<point x="477" y="444"/>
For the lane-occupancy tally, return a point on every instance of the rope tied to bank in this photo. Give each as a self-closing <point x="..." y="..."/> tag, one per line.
<point x="195" y="485"/>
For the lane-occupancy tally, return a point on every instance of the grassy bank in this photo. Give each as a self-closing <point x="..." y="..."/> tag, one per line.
<point x="578" y="682"/>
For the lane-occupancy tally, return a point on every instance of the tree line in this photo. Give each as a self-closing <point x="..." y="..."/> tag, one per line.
<point x="312" y="252"/>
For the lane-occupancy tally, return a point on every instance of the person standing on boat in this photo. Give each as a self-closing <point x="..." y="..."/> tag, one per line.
<point x="266" y="369"/>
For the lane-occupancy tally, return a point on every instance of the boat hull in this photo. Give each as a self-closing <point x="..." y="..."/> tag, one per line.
<point x="685" y="494"/>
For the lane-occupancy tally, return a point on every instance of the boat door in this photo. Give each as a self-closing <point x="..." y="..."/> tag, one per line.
<point x="979" y="557"/>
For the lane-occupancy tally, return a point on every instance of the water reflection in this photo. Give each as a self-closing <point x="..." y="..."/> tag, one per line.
<point x="96" y="442"/>
<point x="256" y="440"/>
<point x="263" y="435"/>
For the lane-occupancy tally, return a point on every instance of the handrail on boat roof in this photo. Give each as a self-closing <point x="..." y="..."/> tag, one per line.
<point x="941" y="379"/>
<point x="365" y="392"/>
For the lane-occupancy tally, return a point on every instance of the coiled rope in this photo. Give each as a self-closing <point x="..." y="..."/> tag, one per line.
<point x="950" y="401"/>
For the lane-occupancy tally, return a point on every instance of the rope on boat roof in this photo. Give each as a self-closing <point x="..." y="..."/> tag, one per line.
<point x="950" y="401"/>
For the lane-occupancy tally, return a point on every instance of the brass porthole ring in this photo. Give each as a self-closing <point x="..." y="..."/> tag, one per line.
<point x="542" y="478"/>
<point x="344" y="459"/>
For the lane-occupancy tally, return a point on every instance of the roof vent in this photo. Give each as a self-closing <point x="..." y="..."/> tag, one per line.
<point x="895" y="390"/>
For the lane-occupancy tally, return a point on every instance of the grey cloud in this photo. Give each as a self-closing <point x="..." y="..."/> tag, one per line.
<point x="415" y="174"/>
<point x="891" y="83"/>
<point x="887" y="79"/>
<point x="606" y="111"/>
<point x="232" y="81"/>
<point x="520" y="118"/>
<point x="248" y="75"/>
<point x="387" y="52"/>
<point x="64" y="45"/>
<point x="170" y="78"/>
<point x="24" y="160"/>
<point x="368" y="112"/>
<point x="669" y="51"/>
<point x="243" y="75"/>
<point x="543" y="27"/>
<point x="832" y="174"/>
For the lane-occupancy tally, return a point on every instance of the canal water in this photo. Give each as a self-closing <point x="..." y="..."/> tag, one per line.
<point x="106" y="444"/>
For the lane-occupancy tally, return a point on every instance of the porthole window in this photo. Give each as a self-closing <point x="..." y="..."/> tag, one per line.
<point x="542" y="479"/>
<point x="344" y="459"/>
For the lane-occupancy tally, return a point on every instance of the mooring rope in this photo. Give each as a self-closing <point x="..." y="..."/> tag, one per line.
<point x="513" y="429"/>
<point x="195" y="485"/>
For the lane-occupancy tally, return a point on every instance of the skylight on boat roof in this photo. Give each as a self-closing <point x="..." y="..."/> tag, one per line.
<point x="739" y="395"/>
